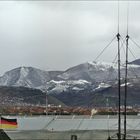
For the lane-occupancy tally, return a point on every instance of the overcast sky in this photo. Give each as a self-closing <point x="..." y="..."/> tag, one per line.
<point x="60" y="34"/>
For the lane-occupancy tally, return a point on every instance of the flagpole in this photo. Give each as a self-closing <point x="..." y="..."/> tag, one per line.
<point x="0" y="122"/>
<point x="46" y="104"/>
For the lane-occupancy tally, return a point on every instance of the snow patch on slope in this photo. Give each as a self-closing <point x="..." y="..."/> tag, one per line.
<point x="122" y="85"/>
<point x="103" y="65"/>
<point x="60" y="86"/>
<point x="102" y="86"/>
<point x="23" y="72"/>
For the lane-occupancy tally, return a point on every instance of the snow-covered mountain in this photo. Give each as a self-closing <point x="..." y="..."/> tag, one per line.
<point x="27" y="77"/>
<point x="98" y="72"/>
<point x="91" y="75"/>
<point x="91" y="71"/>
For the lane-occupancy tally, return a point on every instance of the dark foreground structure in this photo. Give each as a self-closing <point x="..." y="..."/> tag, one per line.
<point x="3" y="135"/>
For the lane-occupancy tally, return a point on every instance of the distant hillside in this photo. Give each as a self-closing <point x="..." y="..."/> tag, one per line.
<point x="90" y="98"/>
<point x="135" y="62"/>
<point x="25" y="96"/>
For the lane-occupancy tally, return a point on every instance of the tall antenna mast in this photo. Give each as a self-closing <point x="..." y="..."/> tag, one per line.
<point x="126" y="63"/>
<point x="119" y="82"/>
<point x="119" y="92"/>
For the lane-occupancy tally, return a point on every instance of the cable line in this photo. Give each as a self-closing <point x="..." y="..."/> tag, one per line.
<point x="135" y="43"/>
<point x="122" y="43"/>
<point x="127" y="17"/>
<point x="118" y="16"/>
<point x="104" y="49"/>
<point x="135" y="73"/>
<point x="132" y="53"/>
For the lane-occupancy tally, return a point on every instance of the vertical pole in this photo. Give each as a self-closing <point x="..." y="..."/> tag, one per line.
<point x="107" y="105"/>
<point x="46" y="104"/>
<point x="0" y="123"/>
<point x="119" y="82"/>
<point x="126" y="73"/>
<point x="119" y="92"/>
<point x="125" y="95"/>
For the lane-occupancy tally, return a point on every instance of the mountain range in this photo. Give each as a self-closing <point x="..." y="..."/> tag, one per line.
<point x="78" y="83"/>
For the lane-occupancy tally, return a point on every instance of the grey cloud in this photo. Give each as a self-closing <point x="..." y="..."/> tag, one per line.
<point x="56" y="35"/>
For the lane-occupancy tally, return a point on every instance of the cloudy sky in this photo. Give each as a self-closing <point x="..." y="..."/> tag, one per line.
<point x="60" y="34"/>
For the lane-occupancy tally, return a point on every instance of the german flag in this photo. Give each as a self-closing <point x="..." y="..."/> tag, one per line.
<point x="7" y="123"/>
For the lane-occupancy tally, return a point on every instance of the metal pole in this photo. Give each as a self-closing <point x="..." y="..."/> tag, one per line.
<point x="125" y="95"/>
<point x="119" y="93"/>
<point x="46" y="104"/>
